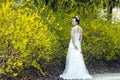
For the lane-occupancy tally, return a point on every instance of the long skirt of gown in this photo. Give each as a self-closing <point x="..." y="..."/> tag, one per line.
<point x="75" y="67"/>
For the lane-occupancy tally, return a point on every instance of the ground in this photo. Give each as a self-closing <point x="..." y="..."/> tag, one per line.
<point x="107" y="76"/>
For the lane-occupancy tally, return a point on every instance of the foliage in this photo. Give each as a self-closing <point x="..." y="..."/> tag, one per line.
<point x="29" y="33"/>
<point x="24" y="38"/>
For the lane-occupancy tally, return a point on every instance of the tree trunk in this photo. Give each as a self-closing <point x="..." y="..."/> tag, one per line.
<point x="54" y="5"/>
<point x="110" y="6"/>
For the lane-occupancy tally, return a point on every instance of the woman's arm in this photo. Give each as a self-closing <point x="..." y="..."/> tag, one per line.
<point x="73" y="38"/>
<point x="80" y="36"/>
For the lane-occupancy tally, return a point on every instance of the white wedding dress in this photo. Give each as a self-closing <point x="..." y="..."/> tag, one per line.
<point x="75" y="67"/>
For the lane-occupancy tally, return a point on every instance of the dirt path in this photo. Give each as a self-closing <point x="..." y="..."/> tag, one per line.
<point x="107" y="76"/>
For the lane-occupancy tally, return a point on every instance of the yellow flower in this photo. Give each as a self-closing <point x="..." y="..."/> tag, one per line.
<point x="15" y="74"/>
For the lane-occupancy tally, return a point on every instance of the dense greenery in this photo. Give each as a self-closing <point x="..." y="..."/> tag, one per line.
<point x="30" y="32"/>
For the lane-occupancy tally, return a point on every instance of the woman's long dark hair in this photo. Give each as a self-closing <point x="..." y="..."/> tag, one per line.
<point x="77" y="19"/>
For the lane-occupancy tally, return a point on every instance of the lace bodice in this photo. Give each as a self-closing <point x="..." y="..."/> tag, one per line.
<point x="76" y="33"/>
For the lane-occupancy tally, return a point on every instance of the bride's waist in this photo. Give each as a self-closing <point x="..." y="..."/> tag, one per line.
<point x="77" y="41"/>
<point x="77" y="44"/>
<point x="72" y="47"/>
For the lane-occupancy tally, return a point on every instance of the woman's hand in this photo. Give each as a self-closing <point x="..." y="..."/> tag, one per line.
<point x="76" y="47"/>
<point x="81" y="52"/>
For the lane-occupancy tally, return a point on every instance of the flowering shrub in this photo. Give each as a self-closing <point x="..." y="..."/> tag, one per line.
<point x="29" y="33"/>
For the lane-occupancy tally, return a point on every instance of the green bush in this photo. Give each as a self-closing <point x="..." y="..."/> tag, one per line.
<point x="29" y="33"/>
<point x="101" y="40"/>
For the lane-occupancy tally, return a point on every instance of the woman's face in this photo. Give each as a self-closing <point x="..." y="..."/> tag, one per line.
<point x="74" y="22"/>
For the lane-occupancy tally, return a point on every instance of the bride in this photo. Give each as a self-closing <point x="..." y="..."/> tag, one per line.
<point x="75" y="67"/>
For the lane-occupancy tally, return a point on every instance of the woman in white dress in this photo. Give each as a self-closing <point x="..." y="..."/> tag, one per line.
<point x="75" y="67"/>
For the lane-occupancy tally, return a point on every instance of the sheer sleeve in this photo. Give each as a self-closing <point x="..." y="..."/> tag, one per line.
<point x="73" y="36"/>
<point x="80" y="35"/>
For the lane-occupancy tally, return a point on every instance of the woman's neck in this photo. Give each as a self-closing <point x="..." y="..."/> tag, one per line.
<point x="75" y="25"/>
